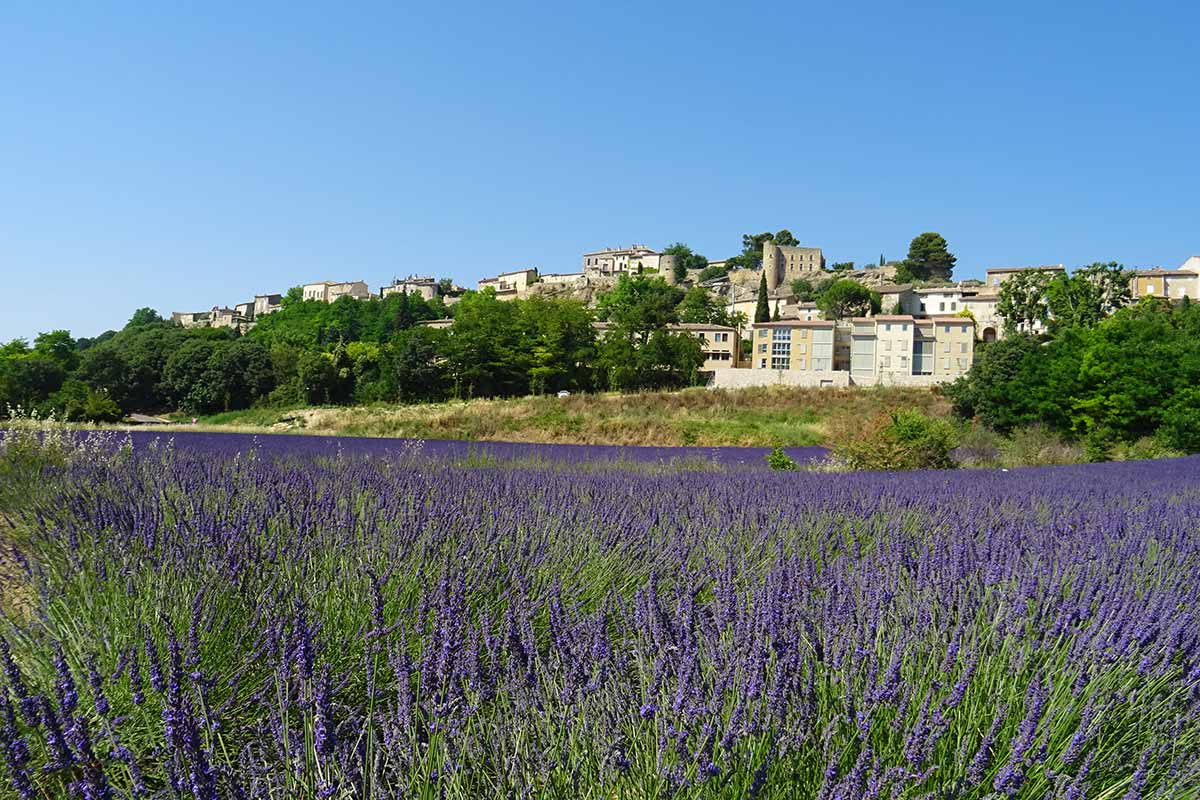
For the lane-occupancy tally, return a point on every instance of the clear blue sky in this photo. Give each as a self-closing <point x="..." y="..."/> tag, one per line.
<point x="179" y="159"/>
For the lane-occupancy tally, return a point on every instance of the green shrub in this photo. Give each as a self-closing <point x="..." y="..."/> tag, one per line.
<point x="1145" y="449"/>
<point x="979" y="446"/>
<point x="779" y="460"/>
<point x="904" y="439"/>
<point x="1180" y="425"/>
<point x="1038" y="446"/>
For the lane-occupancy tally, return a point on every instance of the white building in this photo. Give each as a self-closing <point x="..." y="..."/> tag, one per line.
<point x="328" y="291"/>
<point x="426" y="287"/>
<point x="618" y="260"/>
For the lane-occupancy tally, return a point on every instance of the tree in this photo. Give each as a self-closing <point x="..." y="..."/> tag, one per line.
<point x="847" y="298"/>
<point x="416" y="366"/>
<point x="637" y="350"/>
<point x="486" y="351"/>
<point x="842" y="266"/>
<point x="183" y="374"/>
<point x="784" y="238"/>
<point x="700" y="306"/>
<point x="775" y="314"/>
<point x="806" y="290"/>
<point x="1089" y="295"/>
<point x="1023" y="304"/>
<point x="318" y="377"/>
<point x="762" y="311"/>
<point x="143" y="317"/>
<point x="28" y="381"/>
<point x="929" y="258"/>
<point x="561" y="342"/>
<point x="709" y="273"/>
<point x="57" y="346"/>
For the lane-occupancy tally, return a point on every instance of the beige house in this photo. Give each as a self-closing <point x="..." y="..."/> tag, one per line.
<point x="792" y="345"/>
<point x="784" y="263"/>
<point x="266" y="304"/>
<point x="902" y="349"/>
<point x="510" y="285"/>
<point x="426" y="287"/>
<point x="225" y="318"/>
<point x="998" y="275"/>
<point x="618" y="260"/>
<point x="329" y="291"/>
<point x="191" y="319"/>
<point x="721" y="345"/>
<point x="1170" y="284"/>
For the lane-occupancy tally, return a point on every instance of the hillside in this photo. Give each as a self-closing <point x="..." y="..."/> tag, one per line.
<point x="747" y="417"/>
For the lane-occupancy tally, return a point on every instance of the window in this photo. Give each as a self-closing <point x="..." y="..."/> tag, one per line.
<point x="885" y="361"/>
<point x="962" y="363"/>
<point x="946" y="347"/>
<point x="953" y="306"/>
<point x="780" y="362"/>
<point x="887" y="345"/>
<point x="762" y="362"/>
<point x="762" y="333"/>
<point x="802" y="348"/>
<point x="903" y="326"/>
<point x="762" y="348"/>
<point x="962" y="347"/>
<point x="781" y="335"/>
<point x="945" y="329"/>
<point x="887" y="326"/>
<point x="945" y="363"/>
<point x="803" y="363"/>
<point x="942" y="306"/>
<point x="781" y="348"/>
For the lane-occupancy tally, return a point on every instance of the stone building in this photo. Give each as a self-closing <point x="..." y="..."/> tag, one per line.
<point x="510" y="285"/>
<point x="619" y="260"/>
<point x="266" y="304"/>
<point x="329" y="291"/>
<point x="426" y="287"/>
<point x="785" y="263"/>
<point x="1170" y="284"/>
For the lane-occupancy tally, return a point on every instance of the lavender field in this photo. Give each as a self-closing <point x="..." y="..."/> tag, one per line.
<point x="190" y="622"/>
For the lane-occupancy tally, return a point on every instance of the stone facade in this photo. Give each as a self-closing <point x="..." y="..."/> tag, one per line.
<point x="784" y="263"/>
<point x="795" y="345"/>
<point x="618" y="260"/>
<point x="266" y="304"/>
<point x="426" y="287"/>
<point x="1170" y="284"/>
<point x="329" y="291"/>
<point x="510" y="285"/>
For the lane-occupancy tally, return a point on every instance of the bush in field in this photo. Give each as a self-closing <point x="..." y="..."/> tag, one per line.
<point x="904" y="439"/>
<point x="779" y="460"/>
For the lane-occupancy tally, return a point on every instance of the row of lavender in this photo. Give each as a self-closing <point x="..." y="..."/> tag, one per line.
<point x="190" y="626"/>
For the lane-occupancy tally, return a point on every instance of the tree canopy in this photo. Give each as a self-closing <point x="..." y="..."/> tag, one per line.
<point x="929" y="258"/>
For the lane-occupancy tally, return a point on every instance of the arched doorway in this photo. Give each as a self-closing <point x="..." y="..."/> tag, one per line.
<point x="989" y="334"/>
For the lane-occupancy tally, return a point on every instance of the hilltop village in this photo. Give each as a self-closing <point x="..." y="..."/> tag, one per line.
<point x="913" y="333"/>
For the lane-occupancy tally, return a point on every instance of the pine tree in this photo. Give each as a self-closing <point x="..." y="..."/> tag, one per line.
<point x="762" y="309"/>
<point x="775" y="316"/>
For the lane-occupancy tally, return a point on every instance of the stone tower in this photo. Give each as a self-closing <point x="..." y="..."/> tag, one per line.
<point x="666" y="268"/>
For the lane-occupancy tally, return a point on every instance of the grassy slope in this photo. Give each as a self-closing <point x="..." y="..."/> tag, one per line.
<point x="763" y="416"/>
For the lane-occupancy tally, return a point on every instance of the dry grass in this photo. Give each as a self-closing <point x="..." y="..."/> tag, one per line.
<point x="747" y="417"/>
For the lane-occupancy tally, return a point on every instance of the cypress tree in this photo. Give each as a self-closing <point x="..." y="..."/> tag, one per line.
<point x="775" y="316"/>
<point x="762" y="310"/>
